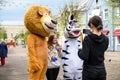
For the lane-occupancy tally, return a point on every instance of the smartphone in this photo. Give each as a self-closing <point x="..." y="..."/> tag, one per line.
<point x="86" y="31"/>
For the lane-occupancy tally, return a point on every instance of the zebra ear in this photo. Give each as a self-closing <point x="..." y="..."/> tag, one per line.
<point x="71" y="17"/>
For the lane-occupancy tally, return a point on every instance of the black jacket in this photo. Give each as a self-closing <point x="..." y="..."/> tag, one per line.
<point x="3" y="50"/>
<point x="93" y="49"/>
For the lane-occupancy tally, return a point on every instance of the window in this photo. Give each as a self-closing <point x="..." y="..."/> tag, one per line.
<point x="11" y="34"/>
<point x="16" y="33"/>
<point x="106" y="14"/>
<point x="96" y="11"/>
<point x="118" y="39"/>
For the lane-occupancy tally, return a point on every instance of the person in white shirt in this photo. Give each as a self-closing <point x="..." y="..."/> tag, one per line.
<point x="54" y="52"/>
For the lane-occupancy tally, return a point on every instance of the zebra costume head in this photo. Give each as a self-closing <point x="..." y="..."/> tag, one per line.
<point x="72" y="29"/>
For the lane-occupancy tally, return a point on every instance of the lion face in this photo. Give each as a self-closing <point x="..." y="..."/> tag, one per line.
<point x="47" y="22"/>
<point x="38" y="20"/>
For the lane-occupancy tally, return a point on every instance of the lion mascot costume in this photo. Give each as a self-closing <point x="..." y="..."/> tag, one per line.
<point x="72" y="64"/>
<point x="39" y="23"/>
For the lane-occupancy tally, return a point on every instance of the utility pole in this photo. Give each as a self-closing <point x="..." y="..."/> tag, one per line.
<point x="113" y="27"/>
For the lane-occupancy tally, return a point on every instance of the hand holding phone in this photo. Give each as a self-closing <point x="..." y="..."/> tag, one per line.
<point x="86" y="31"/>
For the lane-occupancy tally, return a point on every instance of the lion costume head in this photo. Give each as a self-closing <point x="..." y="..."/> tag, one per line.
<point x="38" y="21"/>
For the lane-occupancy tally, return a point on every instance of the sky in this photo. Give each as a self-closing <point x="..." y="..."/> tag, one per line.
<point x="14" y="10"/>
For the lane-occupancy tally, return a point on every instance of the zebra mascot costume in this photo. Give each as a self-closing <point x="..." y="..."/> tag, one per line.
<point x="72" y="64"/>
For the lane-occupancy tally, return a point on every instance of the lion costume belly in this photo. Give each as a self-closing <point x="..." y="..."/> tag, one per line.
<point x="37" y="57"/>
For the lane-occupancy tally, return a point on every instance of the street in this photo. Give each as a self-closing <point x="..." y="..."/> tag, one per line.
<point x="16" y="65"/>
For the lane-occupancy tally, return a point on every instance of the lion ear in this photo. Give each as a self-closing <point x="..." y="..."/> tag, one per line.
<point x="39" y="12"/>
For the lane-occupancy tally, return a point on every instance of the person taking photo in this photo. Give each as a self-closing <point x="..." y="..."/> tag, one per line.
<point x="92" y="52"/>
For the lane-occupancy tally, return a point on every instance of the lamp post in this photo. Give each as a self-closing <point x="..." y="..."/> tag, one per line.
<point x="22" y="35"/>
<point x="23" y="40"/>
<point x="113" y="27"/>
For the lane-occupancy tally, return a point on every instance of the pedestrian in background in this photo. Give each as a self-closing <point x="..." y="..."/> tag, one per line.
<point x="54" y="52"/>
<point x="3" y="52"/>
<point x="92" y="52"/>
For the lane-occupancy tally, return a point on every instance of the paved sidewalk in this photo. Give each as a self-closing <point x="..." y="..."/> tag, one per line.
<point x="16" y="65"/>
<point x="113" y="65"/>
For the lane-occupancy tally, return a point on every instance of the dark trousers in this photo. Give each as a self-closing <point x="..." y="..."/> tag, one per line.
<point x="52" y="73"/>
<point x="2" y="60"/>
<point x="94" y="73"/>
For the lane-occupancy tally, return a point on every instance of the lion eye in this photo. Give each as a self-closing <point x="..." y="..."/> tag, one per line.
<point x="46" y="14"/>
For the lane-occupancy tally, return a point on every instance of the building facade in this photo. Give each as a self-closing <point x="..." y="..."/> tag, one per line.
<point x="111" y="25"/>
<point x="13" y="30"/>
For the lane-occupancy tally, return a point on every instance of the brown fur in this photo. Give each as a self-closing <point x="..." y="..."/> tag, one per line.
<point x="33" y="20"/>
<point x="37" y="44"/>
